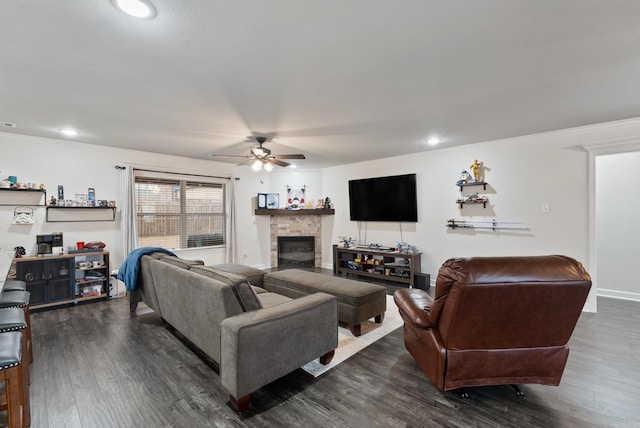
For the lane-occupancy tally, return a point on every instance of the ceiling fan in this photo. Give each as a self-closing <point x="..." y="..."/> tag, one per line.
<point x="261" y="157"/>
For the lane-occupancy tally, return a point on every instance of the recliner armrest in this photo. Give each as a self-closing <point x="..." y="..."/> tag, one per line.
<point x="414" y="306"/>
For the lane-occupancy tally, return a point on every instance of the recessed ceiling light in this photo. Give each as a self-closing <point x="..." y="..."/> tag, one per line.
<point x="69" y="132"/>
<point x="433" y="141"/>
<point x="136" y="8"/>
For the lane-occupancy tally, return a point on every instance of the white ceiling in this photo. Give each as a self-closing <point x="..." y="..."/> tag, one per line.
<point x="340" y="81"/>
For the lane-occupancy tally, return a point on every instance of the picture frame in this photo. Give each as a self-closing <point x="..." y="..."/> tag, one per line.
<point x="295" y="198"/>
<point x="273" y="202"/>
<point x="262" y="201"/>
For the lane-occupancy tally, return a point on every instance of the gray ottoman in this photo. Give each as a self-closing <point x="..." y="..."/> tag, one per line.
<point x="253" y="275"/>
<point x="357" y="301"/>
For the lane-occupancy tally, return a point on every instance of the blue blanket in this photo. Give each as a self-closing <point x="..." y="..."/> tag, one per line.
<point x="128" y="272"/>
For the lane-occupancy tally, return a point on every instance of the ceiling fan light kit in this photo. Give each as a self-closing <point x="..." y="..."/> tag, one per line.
<point x="261" y="157"/>
<point x="257" y="165"/>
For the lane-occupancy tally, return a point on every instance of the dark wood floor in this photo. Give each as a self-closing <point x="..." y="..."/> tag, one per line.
<point x="97" y="366"/>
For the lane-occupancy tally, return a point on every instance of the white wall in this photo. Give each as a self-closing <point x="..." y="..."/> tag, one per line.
<point x="617" y="226"/>
<point x="79" y="166"/>
<point x="522" y="176"/>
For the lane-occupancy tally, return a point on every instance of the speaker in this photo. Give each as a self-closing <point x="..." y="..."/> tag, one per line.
<point x="422" y="281"/>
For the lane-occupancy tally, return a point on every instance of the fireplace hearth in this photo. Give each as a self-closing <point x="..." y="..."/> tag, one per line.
<point x="296" y="252"/>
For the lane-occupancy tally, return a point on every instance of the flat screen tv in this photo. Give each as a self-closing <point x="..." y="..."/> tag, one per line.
<point x="390" y="198"/>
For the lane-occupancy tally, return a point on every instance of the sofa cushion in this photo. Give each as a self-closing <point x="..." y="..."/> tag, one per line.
<point x="300" y="282"/>
<point x="241" y="288"/>
<point x="253" y="275"/>
<point x="226" y="277"/>
<point x="271" y="299"/>
<point x="176" y="261"/>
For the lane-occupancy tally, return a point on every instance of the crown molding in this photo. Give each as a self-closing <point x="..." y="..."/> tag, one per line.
<point x="612" y="146"/>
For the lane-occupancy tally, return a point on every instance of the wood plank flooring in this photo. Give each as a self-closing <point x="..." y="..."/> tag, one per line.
<point x="97" y="366"/>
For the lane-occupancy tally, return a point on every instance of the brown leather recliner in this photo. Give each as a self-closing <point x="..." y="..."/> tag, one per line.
<point x="495" y="320"/>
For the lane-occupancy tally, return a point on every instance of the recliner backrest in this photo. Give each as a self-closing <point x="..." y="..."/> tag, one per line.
<point x="509" y="302"/>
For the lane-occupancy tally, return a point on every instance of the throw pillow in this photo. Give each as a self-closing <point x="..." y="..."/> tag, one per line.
<point x="243" y="291"/>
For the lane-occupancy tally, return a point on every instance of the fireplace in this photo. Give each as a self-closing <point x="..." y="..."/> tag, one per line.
<point x="296" y="252"/>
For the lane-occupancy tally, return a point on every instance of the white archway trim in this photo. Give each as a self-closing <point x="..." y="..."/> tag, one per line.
<point x="605" y="147"/>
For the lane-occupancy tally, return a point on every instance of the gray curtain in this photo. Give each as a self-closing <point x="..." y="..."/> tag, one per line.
<point x="231" y="255"/>
<point x="128" y="204"/>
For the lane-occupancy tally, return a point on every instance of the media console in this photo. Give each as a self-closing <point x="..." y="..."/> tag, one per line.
<point x="375" y="263"/>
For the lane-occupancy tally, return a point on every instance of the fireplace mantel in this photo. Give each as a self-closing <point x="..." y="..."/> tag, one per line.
<point x="267" y="211"/>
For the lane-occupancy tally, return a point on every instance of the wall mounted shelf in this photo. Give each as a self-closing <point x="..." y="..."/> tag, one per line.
<point x="484" y="224"/>
<point x="472" y="198"/>
<point x="73" y="214"/>
<point x="478" y="183"/>
<point x="21" y="196"/>
<point x="267" y="211"/>
<point x="483" y="202"/>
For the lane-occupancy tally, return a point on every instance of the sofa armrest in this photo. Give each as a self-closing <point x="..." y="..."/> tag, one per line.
<point x="260" y="346"/>
<point x="414" y="306"/>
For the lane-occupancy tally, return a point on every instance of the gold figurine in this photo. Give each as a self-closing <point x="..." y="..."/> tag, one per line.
<point x="475" y="170"/>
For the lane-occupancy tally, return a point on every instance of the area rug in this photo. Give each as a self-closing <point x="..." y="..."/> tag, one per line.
<point x="349" y="345"/>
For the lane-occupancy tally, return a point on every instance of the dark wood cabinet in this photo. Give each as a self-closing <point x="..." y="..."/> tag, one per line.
<point x="63" y="279"/>
<point x="379" y="264"/>
<point x="48" y="280"/>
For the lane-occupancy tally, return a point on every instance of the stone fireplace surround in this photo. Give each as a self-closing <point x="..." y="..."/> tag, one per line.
<point x="296" y="225"/>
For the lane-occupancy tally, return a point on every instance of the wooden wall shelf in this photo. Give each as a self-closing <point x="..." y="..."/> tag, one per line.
<point x="72" y="214"/>
<point x="36" y="196"/>
<point x="477" y="183"/>
<point x="282" y="212"/>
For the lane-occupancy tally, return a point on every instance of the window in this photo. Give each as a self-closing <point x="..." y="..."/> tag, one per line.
<point x="176" y="211"/>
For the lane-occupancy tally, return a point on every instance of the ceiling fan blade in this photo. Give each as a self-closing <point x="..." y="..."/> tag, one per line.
<point x="278" y="162"/>
<point x="297" y="156"/>
<point x="231" y="156"/>
<point x="246" y="162"/>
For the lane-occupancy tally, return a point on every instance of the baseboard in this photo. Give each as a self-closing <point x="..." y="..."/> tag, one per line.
<point x="615" y="294"/>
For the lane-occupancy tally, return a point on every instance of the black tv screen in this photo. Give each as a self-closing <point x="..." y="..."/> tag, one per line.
<point x="390" y="198"/>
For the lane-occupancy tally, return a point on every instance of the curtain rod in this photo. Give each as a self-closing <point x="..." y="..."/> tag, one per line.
<point x="120" y="167"/>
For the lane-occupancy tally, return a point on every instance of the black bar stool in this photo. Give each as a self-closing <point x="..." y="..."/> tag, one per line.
<point x="11" y="374"/>
<point x="14" y="285"/>
<point x="19" y="299"/>
<point x="12" y="319"/>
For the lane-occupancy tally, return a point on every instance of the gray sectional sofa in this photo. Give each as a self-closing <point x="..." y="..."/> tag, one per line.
<point x="253" y="335"/>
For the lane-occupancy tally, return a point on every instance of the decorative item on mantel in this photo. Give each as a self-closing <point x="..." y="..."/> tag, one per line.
<point x="295" y="197"/>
